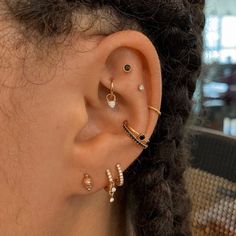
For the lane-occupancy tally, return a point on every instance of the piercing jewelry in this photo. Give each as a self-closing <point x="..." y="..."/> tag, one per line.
<point x="111" y="188"/>
<point x="155" y="109"/>
<point x="139" y="138"/>
<point x="88" y="182"/>
<point x="120" y="181"/>
<point x="141" y="87"/>
<point x="127" y="68"/>
<point x="111" y="97"/>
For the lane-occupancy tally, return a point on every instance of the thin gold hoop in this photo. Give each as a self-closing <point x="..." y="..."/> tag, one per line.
<point x="139" y="138"/>
<point x="120" y="180"/>
<point x="154" y="109"/>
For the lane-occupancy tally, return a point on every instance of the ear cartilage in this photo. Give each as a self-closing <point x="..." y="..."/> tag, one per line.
<point x="88" y="182"/>
<point x="139" y="138"/>
<point x="127" y="68"/>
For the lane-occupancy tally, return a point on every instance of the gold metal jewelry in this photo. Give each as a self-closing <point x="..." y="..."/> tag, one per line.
<point x="120" y="180"/>
<point x="111" y="97"/>
<point x="111" y="188"/>
<point x="139" y="138"/>
<point x="154" y="109"/>
<point x="88" y="182"/>
<point x="127" y="68"/>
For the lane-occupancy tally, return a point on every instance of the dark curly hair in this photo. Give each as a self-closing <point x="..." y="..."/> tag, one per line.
<point x="156" y="200"/>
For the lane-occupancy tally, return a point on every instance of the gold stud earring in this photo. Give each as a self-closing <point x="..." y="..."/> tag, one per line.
<point x="127" y="68"/>
<point x="111" y="97"/>
<point x="120" y="180"/>
<point x="139" y="138"/>
<point x="88" y="182"/>
<point x="111" y="188"/>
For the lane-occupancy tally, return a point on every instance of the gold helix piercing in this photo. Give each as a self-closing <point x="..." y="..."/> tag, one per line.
<point x="154" y="109"/>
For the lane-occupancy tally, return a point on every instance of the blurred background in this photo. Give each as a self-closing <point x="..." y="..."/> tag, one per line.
<point x="215" y="97"/>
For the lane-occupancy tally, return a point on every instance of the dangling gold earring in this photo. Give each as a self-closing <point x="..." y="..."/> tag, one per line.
<point x="111" y="188"/>
<point x="111" y="97"/>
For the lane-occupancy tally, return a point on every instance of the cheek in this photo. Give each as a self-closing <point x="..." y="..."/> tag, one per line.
<point x="36" y="153"/>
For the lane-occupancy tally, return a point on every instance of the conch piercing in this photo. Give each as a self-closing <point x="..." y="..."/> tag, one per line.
<point x="111" y="97"/>
<point x="127" y="68"/>
<point x="111" y="188"/>
<point x="154" y="109"/>
<point x="120" y="181"/>
<point x="139" y="138"/>
<point x="88" y="182"/>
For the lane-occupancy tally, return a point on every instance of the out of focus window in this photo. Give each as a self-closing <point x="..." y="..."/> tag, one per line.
<point x="215" y="97"/>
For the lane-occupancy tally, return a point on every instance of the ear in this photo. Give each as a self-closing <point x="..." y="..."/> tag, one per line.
<point x="102" y="143"/>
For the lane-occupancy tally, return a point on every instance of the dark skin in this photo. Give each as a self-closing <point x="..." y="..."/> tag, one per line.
<point x="52" y="134"/>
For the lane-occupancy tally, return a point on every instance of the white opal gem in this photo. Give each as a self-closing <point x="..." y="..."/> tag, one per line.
<point x="141" y="87"/>
<point x="112" y="199"/>
<point x="112" y="104"/>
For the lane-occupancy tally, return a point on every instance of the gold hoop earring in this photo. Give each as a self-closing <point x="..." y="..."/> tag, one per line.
<point x="154" y="109"/>
<point x="139" y="138"/>
<point x="120" y="180"/>
<point x="111" y="188"/>
<point x="111" y="97"/>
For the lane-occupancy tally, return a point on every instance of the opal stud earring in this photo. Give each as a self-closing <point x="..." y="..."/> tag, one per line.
<point x="141" y="88"/>
<point x="127" y="68"/>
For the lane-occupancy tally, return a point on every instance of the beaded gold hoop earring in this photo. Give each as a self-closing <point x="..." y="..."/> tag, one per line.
<point x="120" y="180"/>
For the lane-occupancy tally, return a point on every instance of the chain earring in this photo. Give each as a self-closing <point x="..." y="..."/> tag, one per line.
<point x="111" y="97"/>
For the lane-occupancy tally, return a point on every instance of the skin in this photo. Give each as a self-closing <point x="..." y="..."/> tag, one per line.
<point x="55" y="125"/>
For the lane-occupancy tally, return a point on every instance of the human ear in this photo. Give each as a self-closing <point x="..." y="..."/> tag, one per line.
<point x="102" y="142"/>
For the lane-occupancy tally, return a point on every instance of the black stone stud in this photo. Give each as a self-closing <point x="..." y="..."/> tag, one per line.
<point x="127" y="68"/>
<point x="142" y="137"/>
